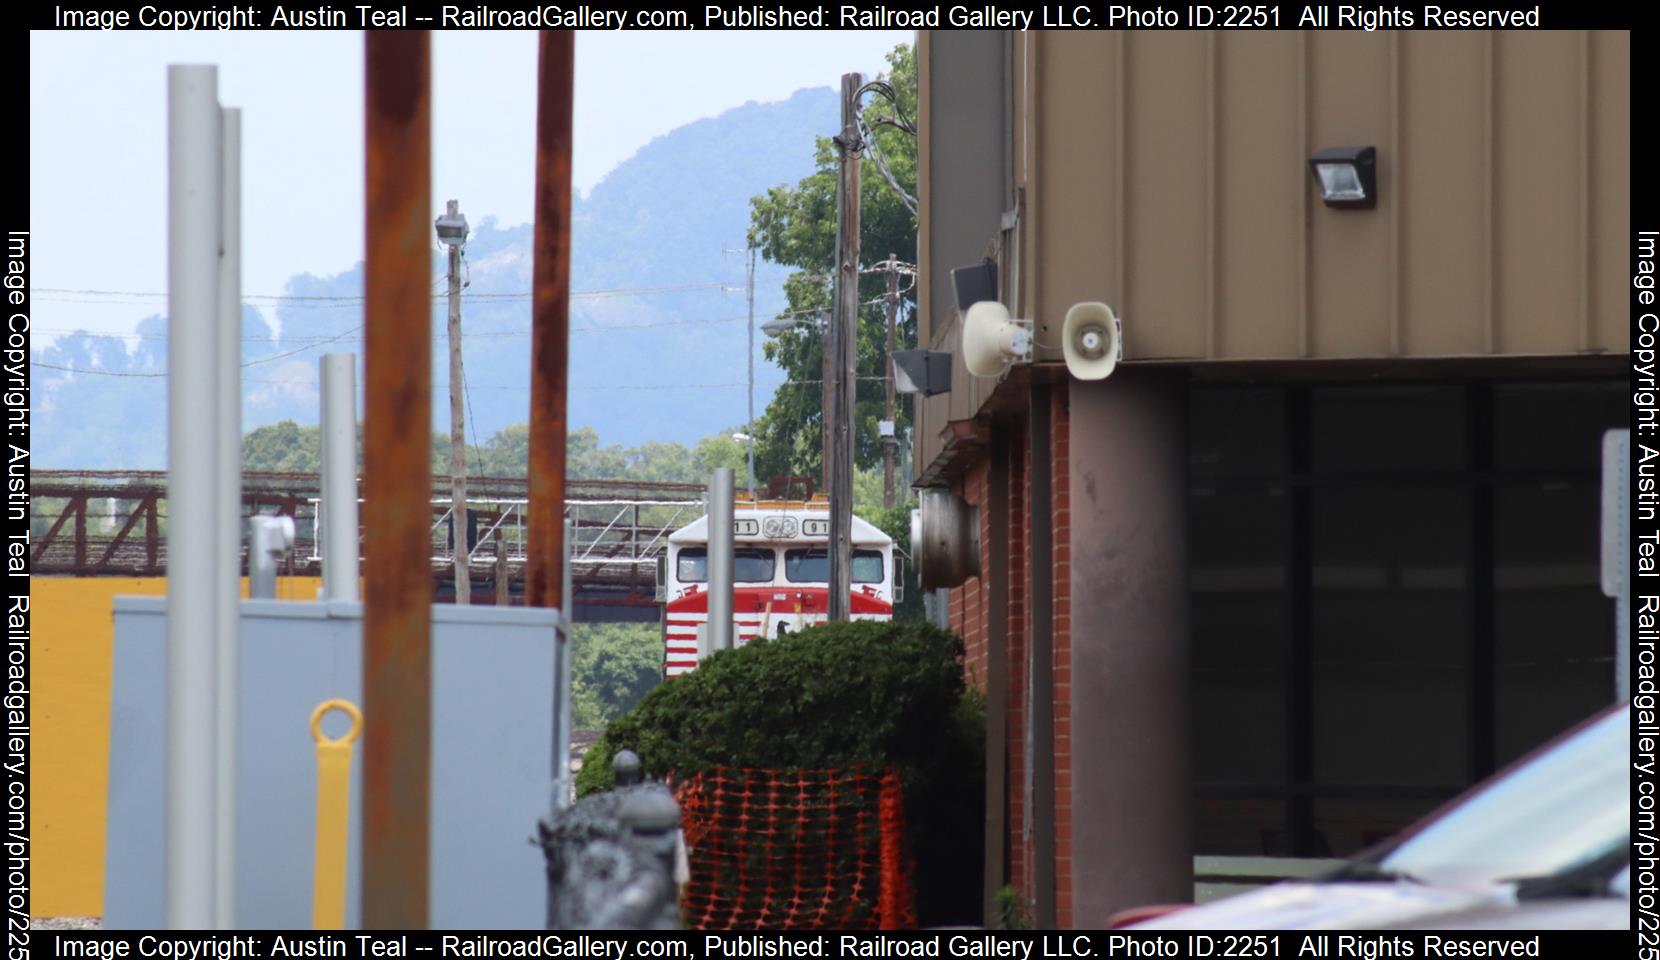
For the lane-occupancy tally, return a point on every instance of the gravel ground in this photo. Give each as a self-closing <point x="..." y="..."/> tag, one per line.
<point x="66" y="923"/>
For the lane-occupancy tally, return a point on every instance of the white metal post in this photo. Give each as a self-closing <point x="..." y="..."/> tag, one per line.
<point x="229" y="565"/>
<point x="340" y="544"/>
<point x="562" y="683"/>
<point x="720" y="559"/>
<point x="193" y="181"/>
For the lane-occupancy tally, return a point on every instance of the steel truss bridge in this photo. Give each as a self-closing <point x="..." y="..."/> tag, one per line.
<point x="96" y="523"/>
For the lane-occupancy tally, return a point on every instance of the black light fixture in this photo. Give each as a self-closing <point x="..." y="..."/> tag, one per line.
<point x="1347" y="176"/>
<point x="975" y="283"/>
<point x="921" y="371"/>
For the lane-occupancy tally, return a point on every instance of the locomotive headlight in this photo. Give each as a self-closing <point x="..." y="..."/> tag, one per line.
<point x="777" y="528"/>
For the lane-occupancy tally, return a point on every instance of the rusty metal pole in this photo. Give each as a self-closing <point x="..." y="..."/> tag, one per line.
<point x="397" y="426"/>
<point x="550" y="319"/>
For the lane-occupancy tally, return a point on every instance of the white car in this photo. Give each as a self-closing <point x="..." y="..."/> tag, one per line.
<point x="1543" y="840"/>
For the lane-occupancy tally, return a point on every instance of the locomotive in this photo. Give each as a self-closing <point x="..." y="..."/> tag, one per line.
<point x="781" y="572"/>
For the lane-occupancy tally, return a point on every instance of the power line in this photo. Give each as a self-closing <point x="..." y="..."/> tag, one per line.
<point x="358" y="297"/>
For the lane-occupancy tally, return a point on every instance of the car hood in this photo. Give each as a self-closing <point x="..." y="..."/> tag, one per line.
<point x="1331" y="906"/>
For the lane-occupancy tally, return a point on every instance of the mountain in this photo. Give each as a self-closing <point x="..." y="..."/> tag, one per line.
<point x="658" y="312"/>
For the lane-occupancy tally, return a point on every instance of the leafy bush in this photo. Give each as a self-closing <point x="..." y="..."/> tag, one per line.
<point x="837" y="695"/>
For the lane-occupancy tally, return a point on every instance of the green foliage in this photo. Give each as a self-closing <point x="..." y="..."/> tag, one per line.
<point x="287" y="446"/>
<point x="282" y="447"/>
<point x="837" y="695"/>
<point x="1013" y="912"/>
<point x="613" y="665"/>
<point x="796" y="227"/>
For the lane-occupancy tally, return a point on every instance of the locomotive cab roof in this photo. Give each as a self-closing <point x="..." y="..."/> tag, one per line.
<point x="864" y="534"/>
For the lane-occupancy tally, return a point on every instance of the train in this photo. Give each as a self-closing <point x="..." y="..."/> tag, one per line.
<point x="781" y="571"/>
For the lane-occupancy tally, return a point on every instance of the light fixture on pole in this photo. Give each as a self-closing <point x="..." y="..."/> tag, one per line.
<point x="452" y="232"/>
<point x="1348" y="177"/>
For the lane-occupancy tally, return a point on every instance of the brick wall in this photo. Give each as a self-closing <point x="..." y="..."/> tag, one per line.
<point x="968" y="612"/>
<point x="1061" y="516"/>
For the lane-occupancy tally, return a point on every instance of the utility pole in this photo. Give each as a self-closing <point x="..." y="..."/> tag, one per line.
<point x="889" y="438"/>
<point x="749" y="294"/>
<point x="452" y="230"/>
<point x="826" y="390"/>
<point x="844" y="343"/>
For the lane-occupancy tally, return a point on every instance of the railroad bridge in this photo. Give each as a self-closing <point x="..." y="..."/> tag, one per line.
<point x="93" y="523"/>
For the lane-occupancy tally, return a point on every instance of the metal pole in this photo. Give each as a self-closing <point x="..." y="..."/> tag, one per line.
<point x="550" y="319"/>
<point x="397" y="469"/>
<point x="720" y="559"/>
<point x="562" y="689"/>
<point x="229" y="566"/>
<point x="462" y="549"/>
<point x="194" y="164"/>
<point x="889" y="441"/>
<point x="340" y="545"/>
<point x="750" y="429"/>
<point x="844" y="340"/>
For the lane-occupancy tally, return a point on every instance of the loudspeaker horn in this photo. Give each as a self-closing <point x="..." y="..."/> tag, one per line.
<point x="1093" y="340"/>
<point x="992" y="339"/>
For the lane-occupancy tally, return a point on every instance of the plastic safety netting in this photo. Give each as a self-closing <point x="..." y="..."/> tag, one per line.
<point x="795" y="850"/>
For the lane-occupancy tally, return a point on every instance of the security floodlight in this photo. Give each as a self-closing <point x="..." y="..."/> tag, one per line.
<point x="777" y="325"/>
<point x="1348" y="177"/>
<point x="975" y="283"/>
<point x="921" y="371"/>
<point x="452" y="227"/>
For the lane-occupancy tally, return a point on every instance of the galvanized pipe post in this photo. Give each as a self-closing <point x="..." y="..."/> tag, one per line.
<point x="550" y="319"/>
<point x="720" y="558"/>
<point x="194" y="169"/>
<point x="844" y="341"/>
<point x="397" y="613"/>
<point x="340" y="544"/>
<point x="229" y="409"/>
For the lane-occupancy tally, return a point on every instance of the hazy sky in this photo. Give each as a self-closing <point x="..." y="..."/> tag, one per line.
<point x="98" y="123"/>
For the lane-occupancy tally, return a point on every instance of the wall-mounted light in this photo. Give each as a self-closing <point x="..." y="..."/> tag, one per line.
<point x="1347" y="176"/>
<point x="974" y="283"/>
<point x="921" y="371"/>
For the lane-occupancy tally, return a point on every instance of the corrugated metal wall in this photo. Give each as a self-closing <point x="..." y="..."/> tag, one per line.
<point x="1171" y="180"/>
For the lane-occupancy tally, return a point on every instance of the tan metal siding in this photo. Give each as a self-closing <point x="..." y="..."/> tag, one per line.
<point x="1171" y="180"/>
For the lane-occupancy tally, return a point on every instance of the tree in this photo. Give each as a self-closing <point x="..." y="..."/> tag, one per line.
<point x="796" y="226"/>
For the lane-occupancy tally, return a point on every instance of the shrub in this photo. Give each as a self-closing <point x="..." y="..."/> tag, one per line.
<point x="842" y="694"/>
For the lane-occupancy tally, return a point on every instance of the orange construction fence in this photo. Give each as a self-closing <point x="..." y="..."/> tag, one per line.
<point x="796" y="850"/>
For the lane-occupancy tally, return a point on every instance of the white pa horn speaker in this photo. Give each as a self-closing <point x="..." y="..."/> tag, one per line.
<point x="992" y="339"/>
<point x="1093" y="340"/>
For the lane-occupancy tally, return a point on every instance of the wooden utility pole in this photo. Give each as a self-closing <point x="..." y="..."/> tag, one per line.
<point x="460" y="548"/>
<point x="826" y="389"/>
<point x="890" y="438"/>
<point x="844" y="343"/>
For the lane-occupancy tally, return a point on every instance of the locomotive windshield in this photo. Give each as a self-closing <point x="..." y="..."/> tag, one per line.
<point x="813" y="566"/>
<point x="748" y="566"/>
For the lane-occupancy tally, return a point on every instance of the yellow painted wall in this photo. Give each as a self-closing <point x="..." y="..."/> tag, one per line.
<point x="71" y="658"/>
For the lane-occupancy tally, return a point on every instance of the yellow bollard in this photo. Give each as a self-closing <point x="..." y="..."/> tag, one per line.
<point x="334" y="805"/>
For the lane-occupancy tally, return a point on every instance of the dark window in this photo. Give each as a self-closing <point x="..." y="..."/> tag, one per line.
<point x="1394" y="593"/>
<point x="813" y="566"/>
<point x="748" y="566"/>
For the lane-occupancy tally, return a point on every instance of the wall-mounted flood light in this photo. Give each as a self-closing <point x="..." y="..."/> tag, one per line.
<point x="921" y="371"/>
<point x="974" y="283"/>
<point x="1348" y="176"/>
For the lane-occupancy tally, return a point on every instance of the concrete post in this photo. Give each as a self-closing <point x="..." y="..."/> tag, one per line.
<point x="340" y="544"/>
<point x="720" y="559"/>
<point x="229" y="409"/>
<point x="193" y="179"/>
<point x="1132" y="780"/>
